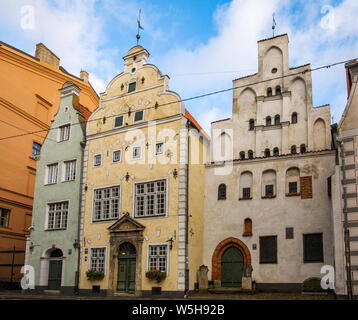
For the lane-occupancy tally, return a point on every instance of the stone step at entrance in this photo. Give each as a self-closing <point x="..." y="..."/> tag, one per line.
<point x="52" y="291"/>
<point x="230" y="290"/>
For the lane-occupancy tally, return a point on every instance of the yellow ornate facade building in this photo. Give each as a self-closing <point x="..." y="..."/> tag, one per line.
<point x="143" y="160"/>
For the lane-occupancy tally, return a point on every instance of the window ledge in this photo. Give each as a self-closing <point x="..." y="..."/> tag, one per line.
<point x="247" y="234"/>
<point x="268" y="197"/>
<point x="293" y="194"/>
<point x="55" y="229"/>
<point x="245" y="198"/>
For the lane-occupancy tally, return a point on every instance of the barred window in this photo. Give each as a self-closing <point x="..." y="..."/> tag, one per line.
<point x="98" y="257"/>
<point x="106" y="203"/>
<point x="70" y="170"/>
<point x="150" y="199"/>
<point x="57" y="215"/>
<point x="52" y="173"/>
<point x="64" y="132"/>
<point x="158" y="257"/>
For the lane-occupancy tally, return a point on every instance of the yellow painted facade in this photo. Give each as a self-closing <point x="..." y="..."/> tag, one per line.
<point x="166" y="121"/>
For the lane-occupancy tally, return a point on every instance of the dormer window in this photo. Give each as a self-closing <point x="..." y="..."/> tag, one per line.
<point x="132" y="87"/>
<point x="269" y="92"/>
<point x="277" y="119"/>
<point x="268" y="120"/>
<point x="278" y="90"/>
<point x="251" y="124"/>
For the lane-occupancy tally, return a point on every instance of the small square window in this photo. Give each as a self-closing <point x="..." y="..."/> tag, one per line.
<point x="138" y="116"/>
<point x="136" y="153"/>
<point x="292" y="187"/>
<point x="289" y="233"/>
<point x="118" y="121"/>
<point x="159" y="148"/>
<point x="246" y="193"/>
<point x="117" y="156"/>
<point x="97" y="160"/>
<point x="132" y="87"/>
<point x="269" y="190"/>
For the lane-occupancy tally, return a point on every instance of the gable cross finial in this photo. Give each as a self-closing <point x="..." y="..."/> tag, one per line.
<point x="139" y="26"/>
<point x="273" y="24"/>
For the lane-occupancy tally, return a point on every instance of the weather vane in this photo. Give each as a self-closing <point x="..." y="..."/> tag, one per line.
<point x="139" y="26"/>
<point x="273" y="24"/>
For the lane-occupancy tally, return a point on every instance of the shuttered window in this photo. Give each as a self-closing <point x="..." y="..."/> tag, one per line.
<point x="268" y="249"/>
<point x="313" y="247"/>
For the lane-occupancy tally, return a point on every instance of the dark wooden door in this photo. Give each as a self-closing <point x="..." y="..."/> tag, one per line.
<point x="232" y="263"/>
<point x="55" y="275"/>
<point x="126" y="275"/>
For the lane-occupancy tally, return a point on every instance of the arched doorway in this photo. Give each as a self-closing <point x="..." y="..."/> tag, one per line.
<point x="55" y="269"/>
<point x="126" y="268"/>
<point x="232" y="264"/>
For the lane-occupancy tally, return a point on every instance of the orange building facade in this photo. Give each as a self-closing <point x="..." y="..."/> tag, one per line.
<point x="29" y="99"/>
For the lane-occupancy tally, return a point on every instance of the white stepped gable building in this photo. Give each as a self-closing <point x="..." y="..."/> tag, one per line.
<point x="266" y="198"/>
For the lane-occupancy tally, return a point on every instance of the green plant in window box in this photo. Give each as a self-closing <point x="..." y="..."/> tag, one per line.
<point x="156" y="275"/>
<point x="94" y="275"/>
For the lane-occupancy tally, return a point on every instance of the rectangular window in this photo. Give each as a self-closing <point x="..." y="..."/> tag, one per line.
<point x="106" y="203"/>
<point x="52" y="173"/>
<point x="64" y="132"/>
<point x="117" y="155"/>
<point x="131" y="87"/>
<point x="157" y="257"/>
<point x="292" y="187"/>
<point x="57" y="215"/>
<point x="269" y="190"/>
<point x="36" y="148"/>
<point x="313" y="247"/>
<point x="136" y="153"/>
<point x="268" y="249"/>
<point x="4" y="217"/>
<point x="70" y="170"/>
<point x="159" y="148"/>
<point x="97" y="161"/>
<point x="98" y="258"/>
<point x="150" y="199"/>
<point x="246" y="192"/>
<point x="118" y="121"/>
<point x="138" y="116"/>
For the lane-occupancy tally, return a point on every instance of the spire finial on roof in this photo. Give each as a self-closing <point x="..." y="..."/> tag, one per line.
<point x="273" y="24"/>
<point x="139" y="26"/>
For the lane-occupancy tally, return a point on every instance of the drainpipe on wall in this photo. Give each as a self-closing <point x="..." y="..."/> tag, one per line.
<point x="346" y="230"/>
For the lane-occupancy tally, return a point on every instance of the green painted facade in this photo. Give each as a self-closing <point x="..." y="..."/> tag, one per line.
<point x="44" y="240"/>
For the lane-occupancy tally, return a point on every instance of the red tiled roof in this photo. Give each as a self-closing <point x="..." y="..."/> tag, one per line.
<point x="197" y="125"/>
<point x="84" y="111"/>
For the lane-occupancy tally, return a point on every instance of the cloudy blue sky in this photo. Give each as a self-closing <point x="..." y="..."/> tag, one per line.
<point x="201" y="44"/>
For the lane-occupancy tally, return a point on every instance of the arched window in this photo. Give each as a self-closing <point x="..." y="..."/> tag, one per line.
<point x="302" y="148"/>
<point x="293" y="150"/>
<point x="56" y="253"/>
<point x="277" y="119"/>
<point x="269" y="184"/>
<point x="278" y="90"/>
<point x="246" y="185"/>
<point x="294" y="117"/>
<point x="250" y="154"/>
<point x="268" y="120"/>
<point x="292" y="181"/>
<point x="251" y="124"/>
<point x="222" y="192"/>
<point x="275" y="152"/>
<point x="247" y="228"/>
<point x="269" y="92"/>
<point x="242" y="155"/>
<point x="267" y="153"/>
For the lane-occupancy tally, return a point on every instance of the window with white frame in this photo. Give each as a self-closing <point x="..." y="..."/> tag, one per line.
<point x="106" y="203"/>
<point x="98" y="258"/>
<point x="4" y="217"/>
<point x="159" y="148"/>
<point x="157" y="257"/>
<point x="64" y="132"/>
<point x="139" y="115"/>
<point x="136" y="152"/>
<point x="57" y="215"/>
<point x="150" y="199"/>
<point x="52" y="173"/>
<point x="117" y="155"/>
<point x="97" y="160"/>
<point x="70" y="170"/>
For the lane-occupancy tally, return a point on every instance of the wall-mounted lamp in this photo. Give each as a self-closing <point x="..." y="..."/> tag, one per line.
<point x="32" y="246"/>
<point x="170" y="241"/>
<point x="127" y="176"/>
<point x="76" y="244"/>
<point x="86" y="187"/>
<point x="175" y="173"/>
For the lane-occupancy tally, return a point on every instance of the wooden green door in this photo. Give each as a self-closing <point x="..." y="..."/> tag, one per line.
<point x="232" y="263"/>
<point x="126" y="268"/>
<point x="55" y="274"/>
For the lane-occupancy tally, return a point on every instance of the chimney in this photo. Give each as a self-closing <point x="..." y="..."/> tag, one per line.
<point x="84" y="75"/>
<point x="46" y="55"/>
